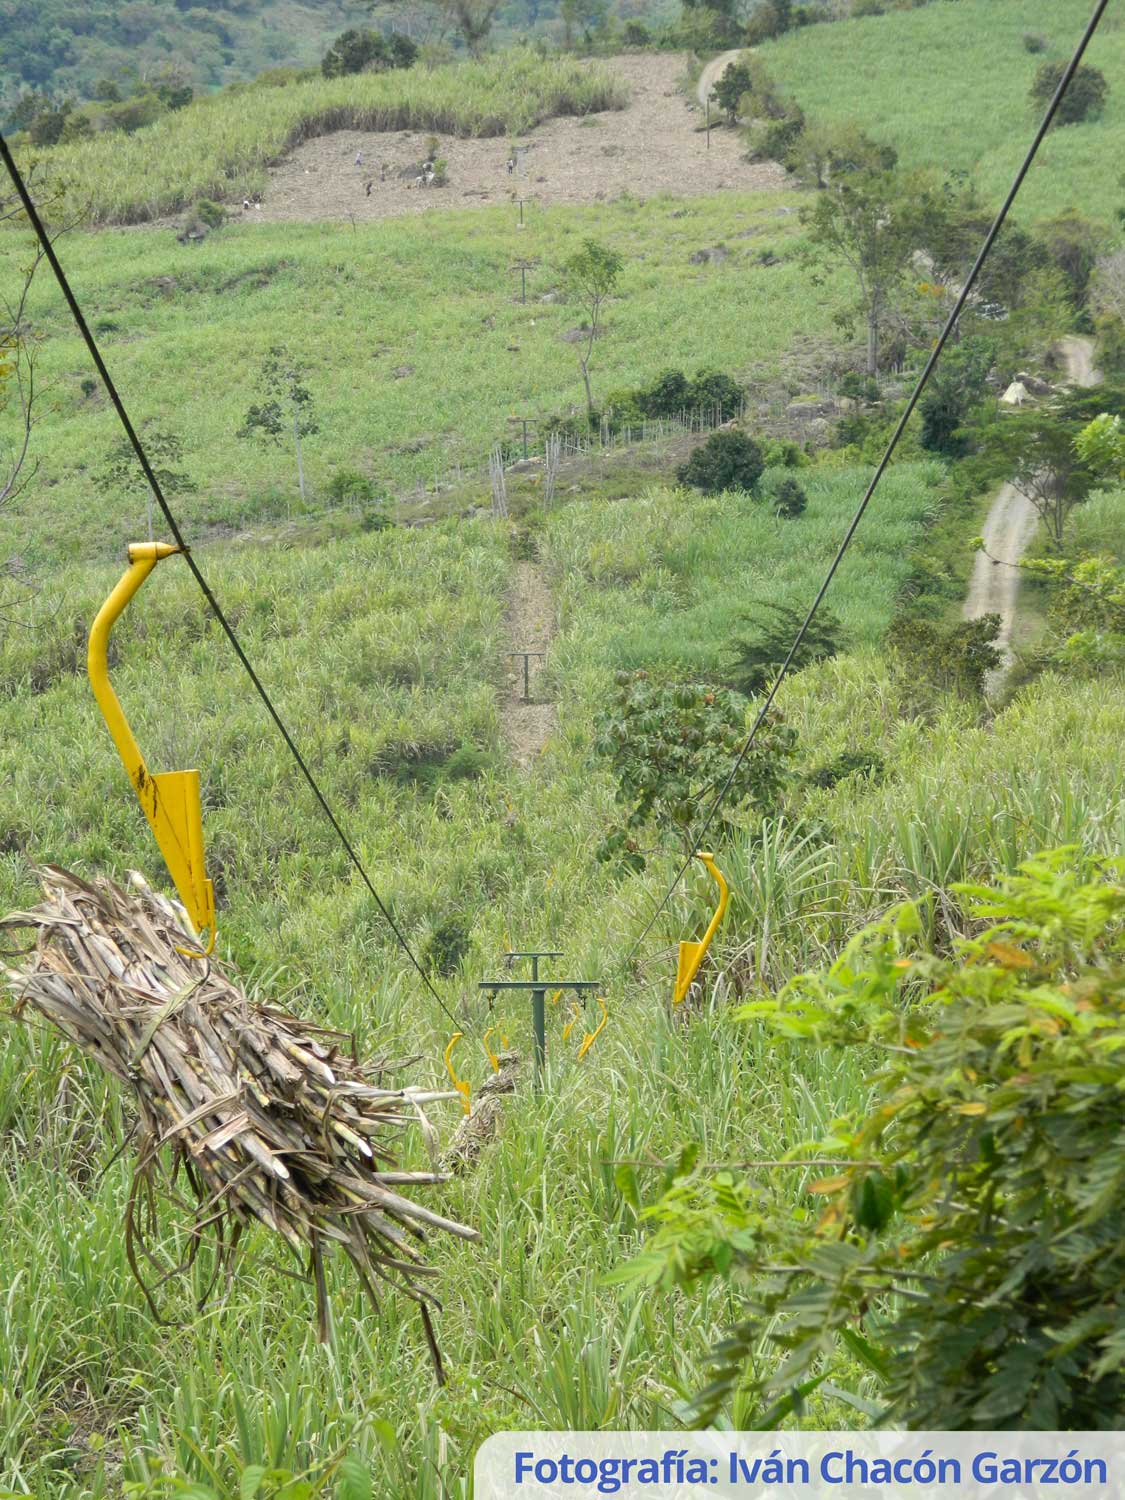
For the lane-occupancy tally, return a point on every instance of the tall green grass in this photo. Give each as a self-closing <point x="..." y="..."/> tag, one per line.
<point x="219" y="147"/>
<point x="378" y="650"/>
<point x="948" y="86"/>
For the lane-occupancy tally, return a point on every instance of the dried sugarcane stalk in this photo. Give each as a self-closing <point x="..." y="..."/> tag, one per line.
<point x="267" y="1117"/>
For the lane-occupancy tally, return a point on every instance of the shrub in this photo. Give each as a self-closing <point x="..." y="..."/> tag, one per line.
<point x="213" y="214"/>
<point x="1083" y="100"/>
<point x="864" y="763"/>
<point x="758" y="658"/>
<point x="446" y="947"/>
<point x="789" y="499"/>
<point x="636" y="34"/>
<point x="726" y="461"/>
<point x="714" y="390"/>
<point x="946" y="658"/>
<point x="666" y="396"/>
<point x="670" y="745"/>
<point x="349" y="487"/>
<point x="1034" y="41"/>
<point x="362" y="51"/>
<point x="970" y="1251"/>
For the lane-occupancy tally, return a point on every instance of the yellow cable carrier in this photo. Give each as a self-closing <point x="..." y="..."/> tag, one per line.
<point x="170" y="799"/>
<point x="692" y="954"/>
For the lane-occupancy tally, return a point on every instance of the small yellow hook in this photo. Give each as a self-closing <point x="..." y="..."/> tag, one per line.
<point x="462" y="1087"/>
<point x="575" y="1017"/>
<point x="492" y="1056"/>
<point x="591" y="1036"/>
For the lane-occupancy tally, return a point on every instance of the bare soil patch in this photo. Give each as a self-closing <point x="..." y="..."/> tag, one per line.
<point x="653" y="146"/>
<point x="529" y="626"/>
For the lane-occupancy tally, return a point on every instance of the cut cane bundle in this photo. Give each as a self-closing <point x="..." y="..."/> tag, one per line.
<point x="267" y="1117"/>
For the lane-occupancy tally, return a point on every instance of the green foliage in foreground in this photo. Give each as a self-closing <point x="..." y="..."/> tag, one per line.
<point x="917" y="79"/>
<point x="218" y="147"/>
<point x="971" y="1253"/>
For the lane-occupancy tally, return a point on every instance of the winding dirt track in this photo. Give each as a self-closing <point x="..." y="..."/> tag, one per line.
<point x="713" y="71"/>
<point x="1008" y="531"/>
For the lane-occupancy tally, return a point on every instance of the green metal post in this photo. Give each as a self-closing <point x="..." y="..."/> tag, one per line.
<point x="539" y="1025"/>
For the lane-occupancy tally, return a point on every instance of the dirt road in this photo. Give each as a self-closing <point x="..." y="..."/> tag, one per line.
<point x="1008" y="532"/>
<point x="713" y="71"/>
<point x="530" y="626"/>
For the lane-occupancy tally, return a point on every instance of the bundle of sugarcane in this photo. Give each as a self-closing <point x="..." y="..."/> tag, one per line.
<point x="269" y="1118"/>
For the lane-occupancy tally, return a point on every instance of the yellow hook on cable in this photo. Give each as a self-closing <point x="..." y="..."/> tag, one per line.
<point x="493" y="1058"/>
<point x="460" y="1084"/>
<point x="692" y="954"/>
<point x="170" y="799"/>
<point x="591" y="1036"/>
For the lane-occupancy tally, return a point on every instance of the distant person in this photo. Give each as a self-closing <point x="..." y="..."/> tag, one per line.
<point x="383" y="172"/>
<point x="246" y="203"/>
<point x="359" y="158"/>
<point x="511" y="165"/>
<point x="368" y="186"/>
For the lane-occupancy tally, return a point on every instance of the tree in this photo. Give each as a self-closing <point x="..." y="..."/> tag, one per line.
<point x="359" y="51"/>
<point x="120" y="470"/>
<point x="757" y="659"/>
<point x="866" y="221"/>
<point x="1073" y="242"/>
<point x="1034" y="448"/>
<point x="728" y="460"/>
<point x="957" y="386"/>
<point x="591" y="276"/>
<point x="967" y="1247"/>
<point x="1085" y="96"/>
<point x="288" y="406"/>
<point x="426" y="19"/>
<point x="671" y="746"/>
<point x="590" y="15"/>
<point x="734" y="83"/>
<point x="1101" y="447"/>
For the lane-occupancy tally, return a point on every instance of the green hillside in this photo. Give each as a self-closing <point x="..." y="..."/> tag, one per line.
<point x="948" y="84"/>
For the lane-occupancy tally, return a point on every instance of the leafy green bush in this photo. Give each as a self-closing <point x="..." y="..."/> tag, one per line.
<point x="931" y="657"/>
<point x="772" y="18"/>
<point x="349" y="487"/>
<point x="970" y="1250"/>
<point x="726" y="461"/>
<point x="1034" y="41"/>
<point x="445" y="949"/>
<point x="864" y="763"/>
<point x="213" y="214"/>
<point x="789" y="499"/>
<point x="1084" y="99"/>
<point x="734" y="83"/>
<point x="757" y="658"/>
<point x="364" y="51"/>
<point x="636" y="34"/>
<point x="671" y="746"/>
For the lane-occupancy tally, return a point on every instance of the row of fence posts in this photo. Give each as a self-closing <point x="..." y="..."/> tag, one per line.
<point x="558" y="447"/>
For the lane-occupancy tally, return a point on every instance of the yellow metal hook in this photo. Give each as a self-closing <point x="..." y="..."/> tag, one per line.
<point x="692" y="954"/>
<point x="591" y="1036"/>
<point x="462" y="1087"/>
<point x="575" y="1017"/>
<point x="170" y="799"/>
<point x="492" y="1056"/>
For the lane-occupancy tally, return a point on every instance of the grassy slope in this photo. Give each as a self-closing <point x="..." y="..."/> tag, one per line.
<point x="373" y="647"/>
<point x="435" y="294"/>
<point x="948" y="85"/>
<point x="218" y="147"/>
